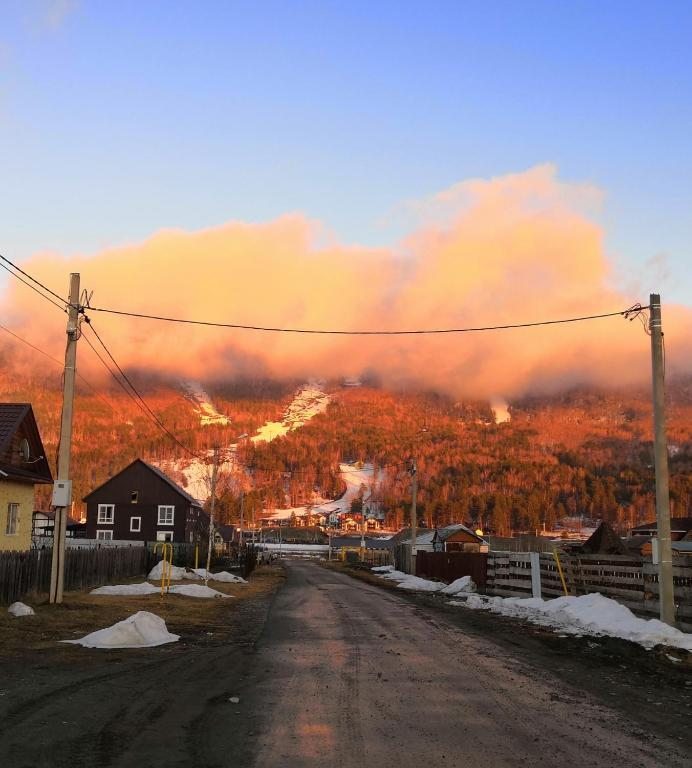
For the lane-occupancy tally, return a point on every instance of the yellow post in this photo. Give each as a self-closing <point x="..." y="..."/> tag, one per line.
<point x="559" y="569"/>
<point x="166" y="564"/>
<point x="196" y="556"/>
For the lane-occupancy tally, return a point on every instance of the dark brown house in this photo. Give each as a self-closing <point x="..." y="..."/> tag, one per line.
<point x="141" y="503"/>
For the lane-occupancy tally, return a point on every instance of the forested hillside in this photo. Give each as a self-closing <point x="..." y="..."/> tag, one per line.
<point x="580" y="453"/>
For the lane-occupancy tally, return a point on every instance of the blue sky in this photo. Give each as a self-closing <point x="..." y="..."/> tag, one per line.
<point x="120" y="118"/>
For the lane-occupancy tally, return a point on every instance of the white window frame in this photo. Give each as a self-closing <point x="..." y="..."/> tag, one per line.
<point x="165" y="508"/>
<point x="138" y="529"/>
<point x="12" y="525"/>
<point x="103" y="518"/>
<point x="164" y="536"/>
<point x="105" y="534"/>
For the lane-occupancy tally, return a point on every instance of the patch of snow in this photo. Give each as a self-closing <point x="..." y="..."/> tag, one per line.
<point x="382" y="568"/>
<point x="141" y="630"/>
<point x="21" y="609"/>
<point x="195" y="590"/>
<point x="127" y="589"/>
<point x="177" y="573"/>
<point x="500" y="410"/>
<point x="463" y="584"/>
<point x="225" y="576"/>
<point x="208" y="414"/>
<point x="307" y="403"/>
<point x="416" y="584"/>
<point x="592" y="614"/>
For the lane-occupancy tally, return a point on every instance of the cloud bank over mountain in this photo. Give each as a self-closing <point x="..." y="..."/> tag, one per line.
<point x="519" y="248"/>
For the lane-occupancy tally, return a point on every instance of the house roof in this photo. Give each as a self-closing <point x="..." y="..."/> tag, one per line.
<point x="604" y="541"/>
<point x="19" y="418"/>
<point x="444" y="533"/>
<point x="159" y="473"/>
<point x="677" y="525"/>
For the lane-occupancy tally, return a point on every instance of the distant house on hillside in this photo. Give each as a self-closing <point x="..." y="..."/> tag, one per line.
<point x="458" y="538"/>
<point x="23" y="465"/>
<point x="141" y="503"/>
<point x="679" y="528"/>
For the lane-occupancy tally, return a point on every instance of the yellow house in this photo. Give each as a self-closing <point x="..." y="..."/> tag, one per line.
<point x="23" y="464"/>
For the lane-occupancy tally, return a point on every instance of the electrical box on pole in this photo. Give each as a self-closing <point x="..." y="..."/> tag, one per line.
<point x="62" y="492"/>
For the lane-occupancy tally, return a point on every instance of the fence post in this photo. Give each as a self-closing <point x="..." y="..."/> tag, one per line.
<point x="535" y="558"/>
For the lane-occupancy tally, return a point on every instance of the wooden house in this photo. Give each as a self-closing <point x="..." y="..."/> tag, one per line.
<point x="141" y="503"/>
<point x="23" y="465"/>
<point x="458" y="538"/>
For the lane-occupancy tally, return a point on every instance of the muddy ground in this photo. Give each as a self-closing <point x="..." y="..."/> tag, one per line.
<point x="332" y="670"/>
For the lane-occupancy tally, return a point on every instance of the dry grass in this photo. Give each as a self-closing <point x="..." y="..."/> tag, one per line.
<point x="197" y="621"/>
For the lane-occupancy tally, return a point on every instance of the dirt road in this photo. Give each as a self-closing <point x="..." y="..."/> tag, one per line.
<point x="342" y="674"/>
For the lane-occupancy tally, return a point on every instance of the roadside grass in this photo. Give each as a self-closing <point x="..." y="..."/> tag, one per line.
<point x="198" y="621"/>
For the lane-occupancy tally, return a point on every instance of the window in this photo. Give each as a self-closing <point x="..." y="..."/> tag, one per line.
<point x="166" y="514"/>
<point x="12" y="527"/>
<point x="135" y="524"/>
<point x="134" y="497"/>
<point x="106" y="514"/>
<point x="164" y="535"/>
<point x="104" y="535"/>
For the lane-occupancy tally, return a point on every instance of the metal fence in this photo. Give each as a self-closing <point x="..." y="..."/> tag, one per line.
<point x="448" y="566"/>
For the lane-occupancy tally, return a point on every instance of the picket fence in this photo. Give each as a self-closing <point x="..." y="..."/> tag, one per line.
<point x="25" y="574"/>
<point x="627" y="579"/>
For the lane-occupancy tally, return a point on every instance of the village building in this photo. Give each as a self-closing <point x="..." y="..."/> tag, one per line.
<point x="141" y="503"/>
<point x="458" y="538"/>
<point x="23" y="465"/>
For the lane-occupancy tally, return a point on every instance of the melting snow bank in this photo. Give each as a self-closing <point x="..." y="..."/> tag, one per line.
<point x="21" y="609"/>
<point x="591" y="614"/>
<point x="178" y="573"/>
<point x="417" y="584"/>
<point x="225" y="576"/>
<point x="189" y="590"/>
<point x="141" y="630"/>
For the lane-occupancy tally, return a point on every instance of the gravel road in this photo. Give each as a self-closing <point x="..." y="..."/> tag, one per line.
<point x="331" y="672"/>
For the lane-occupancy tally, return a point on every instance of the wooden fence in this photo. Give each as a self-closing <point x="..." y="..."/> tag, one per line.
<point x="28" y="573"/>
<point x="627" y="579"/>
<point x="448" y="566"/>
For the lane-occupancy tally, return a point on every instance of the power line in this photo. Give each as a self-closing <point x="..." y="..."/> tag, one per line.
<point x="334" y="332"/>
<point x="57" y="362"/>
<point x="33" y="288"/>
<point x="34" y="280"/>
<point x="135" y="395"/>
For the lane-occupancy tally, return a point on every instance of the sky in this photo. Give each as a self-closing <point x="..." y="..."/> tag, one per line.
<point x="121" y="119"/>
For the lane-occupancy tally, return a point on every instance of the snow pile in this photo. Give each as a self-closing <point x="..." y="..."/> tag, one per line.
<point x="141" y="630"/>
<point x="127" y="589"/>
<point x="224" y="576"/>
<point x="407" y="581"/>
<point x="416" y="584"/>
<point x="464" y="584"/>
<point x="382" y="568"/>
<point x="591" y="614"/>
<point x="21" y="609"/>
<point x="176" y="573"/>
<point x="195" y="590"/>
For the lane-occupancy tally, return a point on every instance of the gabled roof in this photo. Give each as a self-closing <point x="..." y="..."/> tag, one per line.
<point x="155" y="470"/>
<point x="677" y="524"/>
<point x="449" y="530"/>
<point x="19" y="418"/>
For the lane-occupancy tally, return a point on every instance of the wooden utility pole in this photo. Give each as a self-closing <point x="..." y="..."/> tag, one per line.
<point x="665" y="553"/>
<point x="62" y="489"/>
<point x="414" y="519"/>
<point x="212" y="505"/>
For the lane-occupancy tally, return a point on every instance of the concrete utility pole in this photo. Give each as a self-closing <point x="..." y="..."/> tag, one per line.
<point x="212" y="505"/>
<point x="414" y="519"/>
<point x="62" y="490"/>
<point x="665" y="554"/>
<point x="240" y="534"/>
